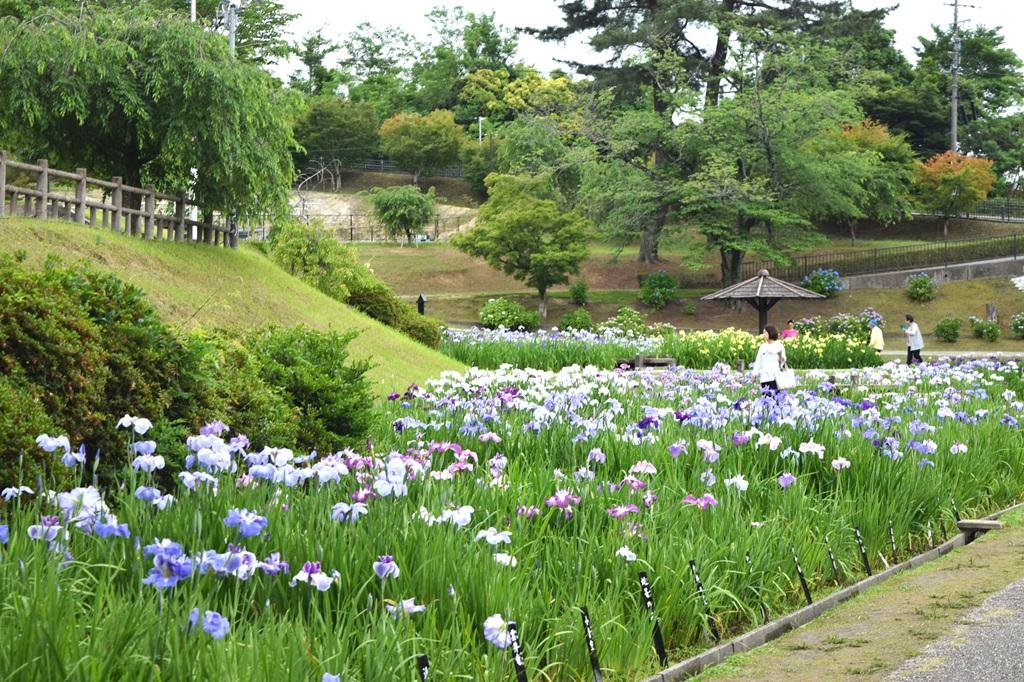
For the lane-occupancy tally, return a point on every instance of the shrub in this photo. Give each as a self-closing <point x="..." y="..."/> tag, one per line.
<point x="920" y="287"/>
<point x="948" y="329"/>
<point x="421" y="328"/>
<point x="311" y="371"/>
<point x="690" y="309"/>
<point x="578" y="292"/>
<point x="311" y="253"/>
<point x="377" y="300"/>
<point x="658" y="289"/>
<point x="1017" y="325"/>
<point x="985" y="329"/>
<point x="823" y="281"/>
<point x="578" y="319"/>
<point x="499" y="312"/>
<point x="22" y="418"/>
<point x="627" y="321"/>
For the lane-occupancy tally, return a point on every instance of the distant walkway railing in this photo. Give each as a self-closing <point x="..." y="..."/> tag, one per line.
<point x="868" y="261"/>
<point x="993" y="210"/>
<point x="108" y="204"/>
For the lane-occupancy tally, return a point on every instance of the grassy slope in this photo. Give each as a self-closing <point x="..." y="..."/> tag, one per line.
<point x="196" y="285"/>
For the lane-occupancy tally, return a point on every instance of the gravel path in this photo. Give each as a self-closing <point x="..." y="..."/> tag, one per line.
<point x="984" y="645"/>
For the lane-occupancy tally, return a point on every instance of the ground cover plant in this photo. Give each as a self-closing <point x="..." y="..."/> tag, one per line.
<point x="494" y="496"/>
<point x="610" y="345"/>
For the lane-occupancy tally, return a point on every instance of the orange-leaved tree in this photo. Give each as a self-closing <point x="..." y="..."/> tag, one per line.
<point x="951" y="183"/>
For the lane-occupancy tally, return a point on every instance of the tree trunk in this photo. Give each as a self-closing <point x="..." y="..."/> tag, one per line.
<point x="945" y="228"/>
<point x="732" y="259"/>
<point x="716" y="67"/>
<point x="542" y="306"/>
<point x="651" y="237"/>
<point x="408" y="237"/>
<point x="416" y="177"/>
<point x="853" y="232"/>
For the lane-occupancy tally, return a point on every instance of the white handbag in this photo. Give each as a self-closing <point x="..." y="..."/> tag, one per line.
<point x="786" y="379"/>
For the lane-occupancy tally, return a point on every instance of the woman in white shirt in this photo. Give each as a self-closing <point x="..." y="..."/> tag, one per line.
<point x="771" y="357"/>
<point x="915" y="342"/>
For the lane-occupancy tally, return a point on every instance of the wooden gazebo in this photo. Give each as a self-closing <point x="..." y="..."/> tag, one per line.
<point x="762" y="292"/>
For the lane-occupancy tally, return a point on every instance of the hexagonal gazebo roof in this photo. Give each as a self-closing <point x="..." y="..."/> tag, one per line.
<point x="762" y="292"/>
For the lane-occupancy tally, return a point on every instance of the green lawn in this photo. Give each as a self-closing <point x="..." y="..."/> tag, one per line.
<point x="198" y="285"/>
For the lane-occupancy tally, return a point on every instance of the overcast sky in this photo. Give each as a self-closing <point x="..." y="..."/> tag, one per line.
<point x="337" y="18"/>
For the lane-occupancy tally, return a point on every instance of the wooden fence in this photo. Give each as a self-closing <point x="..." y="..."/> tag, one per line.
<point x="107" y="204"/>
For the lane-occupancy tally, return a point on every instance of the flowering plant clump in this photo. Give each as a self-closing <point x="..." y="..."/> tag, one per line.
<point x="1017" y="325"/>
<point x="658" y="289"/>
<point x="921" y="287"/>
<point x="823" y="281"/>
<point x="499" y="313"/>
<point x="948" y="329"/>
<point x="985" y="329"/>
<point x="856" y="326"/>
<point x="488" y="497"/>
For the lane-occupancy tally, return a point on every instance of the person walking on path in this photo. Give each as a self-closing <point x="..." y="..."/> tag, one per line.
<point x="915" y="342"/>
<point x="876" y="341"/>
<point x="771" y="358"/>
<point x="790" y="332"/>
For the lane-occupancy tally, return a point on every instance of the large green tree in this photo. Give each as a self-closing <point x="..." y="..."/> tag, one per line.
<point x="316" y="78"/>
<point x="150" y="97"/>
<point x="403" y="210"/>
<point x="525" y="231"/>
<point x="259" y="38"/>
<point x="334" y="129"/>
<point x="419" y="143"/>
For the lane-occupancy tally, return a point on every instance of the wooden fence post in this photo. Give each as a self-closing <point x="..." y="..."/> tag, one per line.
<point x="80" y="196"/>
<point x="150" y="208"/>
<point x="179" y="217"/>
<point x="43" y="186"/>
<point x="3" y="182"/>
<point x="117" y="198"/>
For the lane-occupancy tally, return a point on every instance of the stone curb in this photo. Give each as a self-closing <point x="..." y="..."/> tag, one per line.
<point x="770" y="631"/>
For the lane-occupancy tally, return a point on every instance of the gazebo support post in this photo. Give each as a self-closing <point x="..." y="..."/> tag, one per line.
<point x="763" y="305"/>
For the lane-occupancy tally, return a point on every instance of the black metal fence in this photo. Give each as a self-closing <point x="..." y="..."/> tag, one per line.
<point x="867" y="261"/>
<point x="997" y="210"/>
<point x="363" y="227"/>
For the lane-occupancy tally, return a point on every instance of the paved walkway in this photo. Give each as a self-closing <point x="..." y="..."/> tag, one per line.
<point x="984" y="645"/>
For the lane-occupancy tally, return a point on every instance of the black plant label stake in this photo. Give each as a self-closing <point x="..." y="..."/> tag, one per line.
<point x="517" y="651"/>
<point x="423" y="667"/>
<point x="703" y="597"/>
<point x="863" y="552"/>
<point x="659" y="641"/>
<point x="800" y="574"/>
<point x="588" y="632"/>
<point x="832" y="560"/>
<point x="892" y="542"/>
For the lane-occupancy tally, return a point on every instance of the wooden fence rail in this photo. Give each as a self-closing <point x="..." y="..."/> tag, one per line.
<point x="110" y="205"/>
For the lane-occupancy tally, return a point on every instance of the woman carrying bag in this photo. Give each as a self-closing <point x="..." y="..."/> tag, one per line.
<point x="770" y="364"/>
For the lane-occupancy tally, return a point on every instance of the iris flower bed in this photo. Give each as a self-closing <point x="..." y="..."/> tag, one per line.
<point x="497" y="496"/>
<point x="555" y="349"/>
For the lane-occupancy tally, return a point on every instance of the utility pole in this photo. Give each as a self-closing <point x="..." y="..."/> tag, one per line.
<point x="479" y="130"/>
<point x="229" y="12"/>
<point x="954" y="114"/>
<point x="192" y="11"/>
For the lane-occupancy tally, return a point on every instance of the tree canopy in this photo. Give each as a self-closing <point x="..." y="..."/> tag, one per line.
<point x="148" y="96"/>
<point x="336" y="129"/>
<point x="524" y="231"/>
<point x="951" y="183"/>
<point x="418" y="143"/>
<point x="403" y="210"/>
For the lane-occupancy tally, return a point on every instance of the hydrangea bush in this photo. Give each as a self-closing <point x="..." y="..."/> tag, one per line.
<point x="921" y="288"/>
<point x="856" y="326"/>
<point x="1017" y="325"/>
<point x="824" y="281"/>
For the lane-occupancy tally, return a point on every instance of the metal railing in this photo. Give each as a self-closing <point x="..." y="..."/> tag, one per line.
<point x="868" y="261"/>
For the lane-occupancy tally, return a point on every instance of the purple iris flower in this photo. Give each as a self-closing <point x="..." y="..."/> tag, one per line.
<point x="216" y="625"/>
<point x="740" y="438"/>
<point x="147" y="493"/>
<point x="385" y="567"/>
<point x="5" y="535"/>
<point x="144" y="447"/>
<point x="249" y="524"/>
<point x="47" y="530"/>
<point x="623" y="510"/>
<point x="786" y="479"/>
<point x="170" y="565"/>
<point x="214" y="428"/>
<point x="109" y="527"/>
<point x="273" y="565"/>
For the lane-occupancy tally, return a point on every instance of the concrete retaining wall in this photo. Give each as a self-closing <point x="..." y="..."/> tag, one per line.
<point x="1003" y="267"/>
